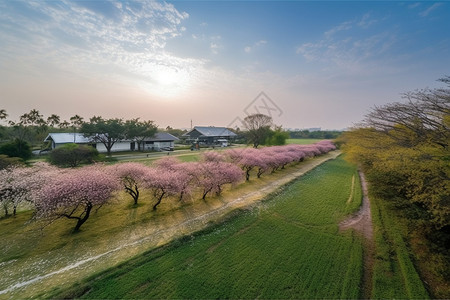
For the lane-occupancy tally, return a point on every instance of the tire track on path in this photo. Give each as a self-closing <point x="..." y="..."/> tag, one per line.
<point x="361" y="222"/>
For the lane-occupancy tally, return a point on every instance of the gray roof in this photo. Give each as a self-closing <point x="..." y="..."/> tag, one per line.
<point x="65" y="137"/>
<point x="162" y="136"/>
<point x="212" y="131"/>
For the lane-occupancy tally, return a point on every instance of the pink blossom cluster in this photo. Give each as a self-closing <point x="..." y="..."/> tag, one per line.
<point x="276" y="157"/>
<point x="73" y="193"/>
<point x="18" y="184"/>
<point x="171" y="177"/>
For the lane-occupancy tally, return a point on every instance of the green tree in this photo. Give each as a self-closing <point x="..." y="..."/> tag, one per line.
<point x="139" y="131"/>
<point x="107" y="132"/>
<point x="16" y="148"/>
<point x="53" y="120"/>
<point x="277" y="137"/>
<point x="405" y="149"/>
<point x="3" y="114"/>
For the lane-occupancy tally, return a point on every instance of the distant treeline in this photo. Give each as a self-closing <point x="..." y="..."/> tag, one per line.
<point x="306" y="134"/>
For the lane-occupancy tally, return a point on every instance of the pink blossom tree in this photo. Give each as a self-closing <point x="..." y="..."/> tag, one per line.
<point x="325" y="146"/>
<point x="213" y="175"/>
<point x="132" y="177"/>
<point x="163" y="183"/>
<point x="20" y="183"/>
<point x="250" y="158"/>
<point x="186" y="175"/>
<point x="74" y="193"/>
<point x="167" y="162"/>
<point x="212" y="156"/>
<point x="182" y="172"/>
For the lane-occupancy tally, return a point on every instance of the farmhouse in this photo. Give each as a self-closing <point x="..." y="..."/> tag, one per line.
<point x="210" y="135"/>
<point x="161" y="141"/>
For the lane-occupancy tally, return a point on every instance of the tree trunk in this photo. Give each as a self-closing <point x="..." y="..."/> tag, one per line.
<point x="260" y="172"/>
<point x="205" y="192"/>
<point x="159" y="200"/>
<point x="134" y="193"/>
<point x="81" y="220"/>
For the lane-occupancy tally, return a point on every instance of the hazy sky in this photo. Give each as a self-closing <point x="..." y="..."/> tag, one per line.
<point x="318" y="64"/>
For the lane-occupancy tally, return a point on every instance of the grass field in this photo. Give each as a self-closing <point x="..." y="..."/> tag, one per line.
<point x="395" y="275"/>
<point x="36" y="258"/>
<point x="287" y="247"/>
<point x="302" y="141"/>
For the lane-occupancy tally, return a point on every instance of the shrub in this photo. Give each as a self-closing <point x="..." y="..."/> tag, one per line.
<point x="72" y="155"/>
<point x="17" y="148"/>
<point x="6" y="161"/>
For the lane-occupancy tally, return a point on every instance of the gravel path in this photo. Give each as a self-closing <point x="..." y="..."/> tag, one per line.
<point x="361" y="222"/>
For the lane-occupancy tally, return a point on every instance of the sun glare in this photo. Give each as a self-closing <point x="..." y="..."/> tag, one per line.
<point x="166" y="81"/>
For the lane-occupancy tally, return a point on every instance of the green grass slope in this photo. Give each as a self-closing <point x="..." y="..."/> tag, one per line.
<point x="287" y="247"/>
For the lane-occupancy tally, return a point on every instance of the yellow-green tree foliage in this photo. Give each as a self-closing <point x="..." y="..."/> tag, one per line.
<point x="404" y="148"/>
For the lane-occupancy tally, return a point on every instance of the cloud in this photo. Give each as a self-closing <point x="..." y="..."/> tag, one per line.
<point x="125" y="39"/>
<point x="341" y="27"/>
<point x="366" y="21"/>
<point x="347" y="46"/>
<point x="427" y="11"/>
<point x="414" y="5"/>
<point x="249" y="49"/>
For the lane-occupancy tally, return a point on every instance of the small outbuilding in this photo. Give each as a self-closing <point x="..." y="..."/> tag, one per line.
<point x="210" y="135"/>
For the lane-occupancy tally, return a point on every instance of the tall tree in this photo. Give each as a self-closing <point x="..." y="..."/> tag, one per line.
<point x="3" y="114"/>
<point x="404" y="147"/>
<point x="53" y="120"/>
<point x="139" y="131"/>
<point x="257" y="128"/>
<point x="107" y="132"/>
<point x="64" y="124"/>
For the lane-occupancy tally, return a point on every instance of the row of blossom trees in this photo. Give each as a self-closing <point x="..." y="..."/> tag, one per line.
<point x="73" y="193"/>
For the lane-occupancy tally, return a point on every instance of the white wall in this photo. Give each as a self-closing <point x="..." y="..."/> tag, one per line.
<point x="118" y="146"/>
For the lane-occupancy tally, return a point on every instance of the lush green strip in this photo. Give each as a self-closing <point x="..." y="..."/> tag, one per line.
<point x="288" y="247"/>
<point x="394" y="273"/>
<point x="302" y="141"/>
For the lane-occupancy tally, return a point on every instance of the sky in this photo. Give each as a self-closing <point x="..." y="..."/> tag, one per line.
<point x="305" y="63"/>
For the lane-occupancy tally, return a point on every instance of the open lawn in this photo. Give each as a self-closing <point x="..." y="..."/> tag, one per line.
<point x="302" y="141"/>
<point x="288" y="246"/>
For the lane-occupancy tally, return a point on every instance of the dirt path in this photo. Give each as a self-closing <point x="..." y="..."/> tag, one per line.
<point x="57" y="269"/>
<point x="361" y="222"/>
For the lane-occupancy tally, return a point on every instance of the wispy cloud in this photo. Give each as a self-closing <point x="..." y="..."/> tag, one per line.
<point x="366" y="21"/>
<point x="259" y="43"/>
<point x="414" y="5"/>
<point x="348" y="46"/>
<point x="427" y="11"/>
<point x="341" y="27"/>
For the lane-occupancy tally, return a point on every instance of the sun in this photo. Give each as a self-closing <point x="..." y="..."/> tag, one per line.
<point x="168" y="77"/>
<point x="166" y="81"/>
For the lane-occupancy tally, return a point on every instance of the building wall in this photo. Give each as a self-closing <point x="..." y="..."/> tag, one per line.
<point x="158" y="145"/>
<point x="118" y="146"/>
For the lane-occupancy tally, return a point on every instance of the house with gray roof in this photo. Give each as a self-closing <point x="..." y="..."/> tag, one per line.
<point x="161" y="141"/>
<point x="210" y="135"/>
